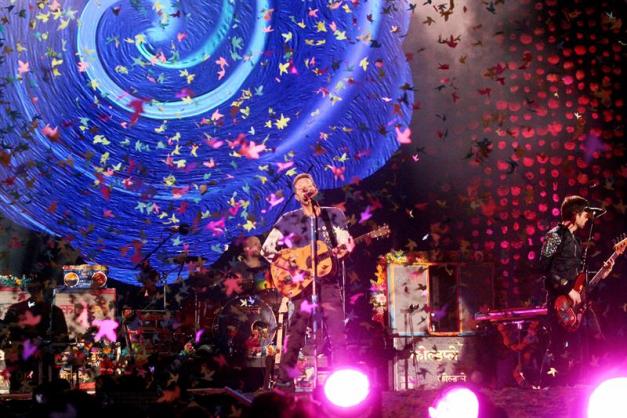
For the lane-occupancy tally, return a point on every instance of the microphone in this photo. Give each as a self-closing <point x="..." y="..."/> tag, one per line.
<point x="310" y="194"/>
<point x="182" y="229"/>
<point x="596" y="212"/>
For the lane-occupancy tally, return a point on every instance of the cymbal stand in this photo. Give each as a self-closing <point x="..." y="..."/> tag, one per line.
<point x="164" y="276"/>
<point x="196" y="314"/>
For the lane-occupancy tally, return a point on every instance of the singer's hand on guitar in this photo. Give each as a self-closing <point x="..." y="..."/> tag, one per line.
<point x="575" y="297"/>
<point x="342" y="251"/>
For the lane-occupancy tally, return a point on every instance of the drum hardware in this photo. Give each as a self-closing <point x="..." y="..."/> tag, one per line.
<point x="181" y="229"/>
<point x="283" y="310"/>
<point x="150" y="330"/>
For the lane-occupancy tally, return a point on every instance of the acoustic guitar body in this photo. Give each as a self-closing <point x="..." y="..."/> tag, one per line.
<point x="291" y="269"/>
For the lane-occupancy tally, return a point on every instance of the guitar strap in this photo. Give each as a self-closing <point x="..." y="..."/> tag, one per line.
<point x="327" y="223"/>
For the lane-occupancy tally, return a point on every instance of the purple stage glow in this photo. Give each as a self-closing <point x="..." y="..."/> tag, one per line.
<point x="608" y="399"/>
<point x="458" y="402"/>
<point x="346" y="388"/>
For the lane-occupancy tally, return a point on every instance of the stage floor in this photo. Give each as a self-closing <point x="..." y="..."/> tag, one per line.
<point x="555" y="402"/>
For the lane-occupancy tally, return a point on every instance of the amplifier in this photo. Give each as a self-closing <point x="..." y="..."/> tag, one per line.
<point x="82" y="306"/>
<point x="437" y="298"/>
<point x="85" y="276"/>
<point x="408" y="299"/>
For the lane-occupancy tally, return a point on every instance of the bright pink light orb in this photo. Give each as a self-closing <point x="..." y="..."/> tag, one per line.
<point x="346" y="388"/>
<point x="609" y="399"/>
<point x="457" y="403"/>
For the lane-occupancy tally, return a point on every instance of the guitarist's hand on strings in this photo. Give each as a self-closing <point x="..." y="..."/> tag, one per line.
<point x="607" y="267"/>
<point x="575" y="297"/>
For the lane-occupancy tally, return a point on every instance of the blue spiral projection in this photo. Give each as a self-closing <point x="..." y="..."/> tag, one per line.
<point x="126" y="118"/>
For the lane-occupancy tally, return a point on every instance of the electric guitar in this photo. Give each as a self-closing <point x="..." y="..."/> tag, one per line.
<point x="291" y="268"/>
<point x="569" y="316"/>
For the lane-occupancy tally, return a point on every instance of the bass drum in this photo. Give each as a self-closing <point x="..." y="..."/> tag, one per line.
<point x="272" y="297"/>
<point x="245" y="327"/>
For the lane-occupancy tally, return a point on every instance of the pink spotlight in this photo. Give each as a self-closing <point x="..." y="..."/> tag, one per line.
<point x="608" y="400"/>
<point x="458" y="402"/>
<point x="346" y="388"/>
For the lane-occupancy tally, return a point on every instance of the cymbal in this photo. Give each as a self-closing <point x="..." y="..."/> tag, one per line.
<point x="184" y="259"/>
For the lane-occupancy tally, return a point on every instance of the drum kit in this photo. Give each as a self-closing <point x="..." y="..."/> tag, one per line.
<point x="243" y="324"/>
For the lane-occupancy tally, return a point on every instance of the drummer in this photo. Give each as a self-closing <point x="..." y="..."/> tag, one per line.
<point x="252" y="268"/>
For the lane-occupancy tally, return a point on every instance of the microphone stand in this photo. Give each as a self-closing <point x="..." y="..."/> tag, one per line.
<point x="313" y="231"/>
<point x="584" y="258"/>
<point x="154" y="250"/>
<point x="47" y="344"/>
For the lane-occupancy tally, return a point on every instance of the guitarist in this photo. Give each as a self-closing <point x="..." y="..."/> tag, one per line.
<point x="561" y="261"/>
<point x="292" y="230"/>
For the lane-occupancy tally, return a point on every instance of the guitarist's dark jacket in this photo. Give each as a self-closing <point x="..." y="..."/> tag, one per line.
<point x="560" y="260"/>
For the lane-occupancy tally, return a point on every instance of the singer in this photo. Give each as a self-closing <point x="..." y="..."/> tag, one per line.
<point x="561" y="261"/>
<point x="292" y="231"/>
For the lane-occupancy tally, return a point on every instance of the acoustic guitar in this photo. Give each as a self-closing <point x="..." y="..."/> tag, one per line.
<point x="291" y="268"/>
<point x="569" y="316"/>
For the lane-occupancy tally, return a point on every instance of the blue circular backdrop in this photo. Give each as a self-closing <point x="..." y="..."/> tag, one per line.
<point x="124" y="119"/>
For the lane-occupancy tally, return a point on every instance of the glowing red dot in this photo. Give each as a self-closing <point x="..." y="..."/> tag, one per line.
<point x="501" y="105"/>
<point x="552" y="77"/>
<point x="526" y="39"/>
